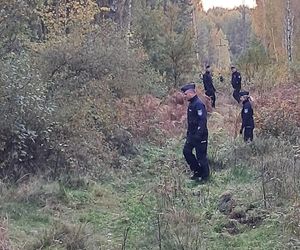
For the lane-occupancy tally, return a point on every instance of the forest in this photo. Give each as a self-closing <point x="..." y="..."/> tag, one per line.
<point x="93" y="125"/>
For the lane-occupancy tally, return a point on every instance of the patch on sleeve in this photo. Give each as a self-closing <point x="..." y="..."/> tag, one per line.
<point x="200" y="113"/>
<point x="245" y="111"/>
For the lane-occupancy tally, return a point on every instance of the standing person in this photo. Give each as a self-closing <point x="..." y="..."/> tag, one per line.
<point x="208" y="86"/>
<point x="247" y="117"/>
<point x="236" y="81"/>
<point x="197" y="134"/>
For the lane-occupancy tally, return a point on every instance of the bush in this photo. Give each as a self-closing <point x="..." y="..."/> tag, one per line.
<point x="67" y="236"/>
<point x="102" y="54"/>
<point x="88" y="74"/>
<point x="59" y="103"/>
<point x="279" y="114"/>
<point x="26" y="125"/>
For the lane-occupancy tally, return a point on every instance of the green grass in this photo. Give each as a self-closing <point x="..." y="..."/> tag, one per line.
<point x="24" y="215"/>
<point x="133" y="200"/>
<point x="241" y="174"/>
<point x="266" y="236"/>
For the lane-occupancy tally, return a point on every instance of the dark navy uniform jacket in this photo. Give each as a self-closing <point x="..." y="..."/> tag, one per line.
<point x="208" y="82"/>
<point x="247" y="115"/>
<point x="197" y="120"/>
<point x="236" y="80"/>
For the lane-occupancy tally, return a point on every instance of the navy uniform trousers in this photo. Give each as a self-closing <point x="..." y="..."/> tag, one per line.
<point x="199" y="162"/>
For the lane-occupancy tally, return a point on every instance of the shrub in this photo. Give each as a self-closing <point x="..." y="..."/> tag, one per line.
<point x="59" y="105"/>
<point x="88" y="73"/>
<point x="279" y="113"/>
<point x="26" y="124"/>
<point x="68" y="236"/>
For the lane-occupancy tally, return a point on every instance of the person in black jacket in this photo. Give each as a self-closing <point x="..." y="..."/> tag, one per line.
<point x="236" y="82"/>
<point x="197" y="134"/>
<point x="209" y="87"/>
<point x="247" y="117"/>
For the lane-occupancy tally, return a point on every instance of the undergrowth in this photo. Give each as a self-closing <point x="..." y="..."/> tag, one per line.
<point x="154" y="205"/>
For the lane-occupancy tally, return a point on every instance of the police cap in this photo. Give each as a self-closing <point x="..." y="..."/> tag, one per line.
<point x="188" y="87"/>
<point x="244" y="93"/>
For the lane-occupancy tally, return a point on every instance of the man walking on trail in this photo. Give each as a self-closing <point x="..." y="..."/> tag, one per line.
<point x="209" y="87"/>
<point x="236" y="81"/>
<point x="247" y="117"/>
<point x="197" y="134"/>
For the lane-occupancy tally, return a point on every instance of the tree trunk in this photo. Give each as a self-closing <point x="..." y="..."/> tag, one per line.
<point x="264" y="24"/>
<point x="289" y="30"/>
<point x="244" y="27"/>
<point x="195" y="31"/>
<point x="129" y="21"/>
<point x="274" y="45"/>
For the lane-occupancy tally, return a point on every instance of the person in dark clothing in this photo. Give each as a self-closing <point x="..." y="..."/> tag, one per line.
<point x="197" y="134"/>
<point x="236" y="81"/>
<point x="209" y="87"/>
<point x="247" y="117"/>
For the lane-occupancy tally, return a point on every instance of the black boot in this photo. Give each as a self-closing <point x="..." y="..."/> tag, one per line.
<point x="195" y="176"/>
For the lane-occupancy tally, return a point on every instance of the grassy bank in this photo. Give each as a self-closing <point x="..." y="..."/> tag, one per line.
<point x="154" y="205"/>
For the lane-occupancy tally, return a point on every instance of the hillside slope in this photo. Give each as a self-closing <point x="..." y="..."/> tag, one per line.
<point x="150" y="203"/>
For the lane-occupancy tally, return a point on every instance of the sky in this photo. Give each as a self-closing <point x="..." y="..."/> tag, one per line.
<point x="207" y="4"/>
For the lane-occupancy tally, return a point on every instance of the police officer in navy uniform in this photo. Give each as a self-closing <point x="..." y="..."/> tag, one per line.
<point x="197" y="134"/>
<point x="208" y="86"/>
<point x="236" y="82"/>
<point x="247" y="117"/>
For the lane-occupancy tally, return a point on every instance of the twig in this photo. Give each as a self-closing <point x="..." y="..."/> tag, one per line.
<point x="125" y="238"/>
<point x="264" y="183"/>
<point x="21" y="178"/>
<point x="159" y="231"/>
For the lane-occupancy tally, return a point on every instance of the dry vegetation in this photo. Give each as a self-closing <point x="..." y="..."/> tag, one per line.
<point x="92" y="127"/>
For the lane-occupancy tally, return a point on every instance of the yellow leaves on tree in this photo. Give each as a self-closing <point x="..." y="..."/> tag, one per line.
<point x="270" y="25"/>
<point x="66" y="15"/>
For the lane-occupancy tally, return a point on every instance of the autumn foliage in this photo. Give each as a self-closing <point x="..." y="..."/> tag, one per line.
<point x="278" y="111"/>
<point x="148" y="117"/>
<point x="79" y="88"/>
